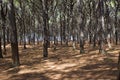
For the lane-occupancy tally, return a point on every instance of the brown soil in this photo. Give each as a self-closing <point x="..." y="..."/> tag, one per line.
<point x="62" y="64"/>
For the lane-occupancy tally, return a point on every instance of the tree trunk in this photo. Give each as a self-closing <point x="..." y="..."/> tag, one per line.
<point x="29" y="39"/>
<point x="22" y="23"/>
<point x="61" y="30"/>
<point x="90" y="39"/>
<point x="24" y="32"/>
<point x="8" y="36"/>
<point x="1" y="56"/>
<point x="94" y="40"/>
<point x="3" y="15"/>
<point x="116" y="37"/>
<point x="82" y="42"/>
<point x="118" y="77"/>
<point x="108" y="41"/>
<point x="73" y="36"/>
<point x="100" y="43"/>
<point x="14" y="41"/>
<point x="4" y="41"/>
<point x="116" y="21"/>
<point x="45" y="25"/>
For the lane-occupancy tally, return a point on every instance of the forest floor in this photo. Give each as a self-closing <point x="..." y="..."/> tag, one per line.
<point x="62" y="64"/>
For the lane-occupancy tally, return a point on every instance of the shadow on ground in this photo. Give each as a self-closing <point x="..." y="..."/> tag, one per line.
<point x="62" y="64"/>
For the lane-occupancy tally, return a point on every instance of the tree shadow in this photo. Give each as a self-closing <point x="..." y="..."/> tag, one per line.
<point x="31" y="62"/>
<point x="29" y="76"/>
<point x="104" y="70"/>
<point x="90" y="75"/>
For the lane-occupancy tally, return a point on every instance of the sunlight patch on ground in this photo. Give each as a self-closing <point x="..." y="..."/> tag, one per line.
<point x="24" y="71"/>
<point x="52" y="66"/>
<point x="78" y="56"/>
<point x="113" y="52"/>
<point x="65" y="66"/>
<point x="55" y="76"/>
<point x="4" y="77"/>
<point x="95" y="51"/>
<point x="82" y="61"/>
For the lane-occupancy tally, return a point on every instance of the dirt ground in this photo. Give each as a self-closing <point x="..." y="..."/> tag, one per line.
<point x="62" y="64"/>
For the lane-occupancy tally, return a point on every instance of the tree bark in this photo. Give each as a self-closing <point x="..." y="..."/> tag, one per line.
<point x="61" y="29"/>
<point x="8" y="36"/>
<point x="118" y="77"/>
<point x="116" y="20"/>
<point x="14" y="41"/>
<point x="45" y="25"/>
<point x="1" y="56"/>
<point x="3" y="15"/>
<point x="82" y="42"/>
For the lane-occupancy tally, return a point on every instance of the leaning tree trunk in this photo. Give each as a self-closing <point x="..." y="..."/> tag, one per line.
<point x="14" y="41"/>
